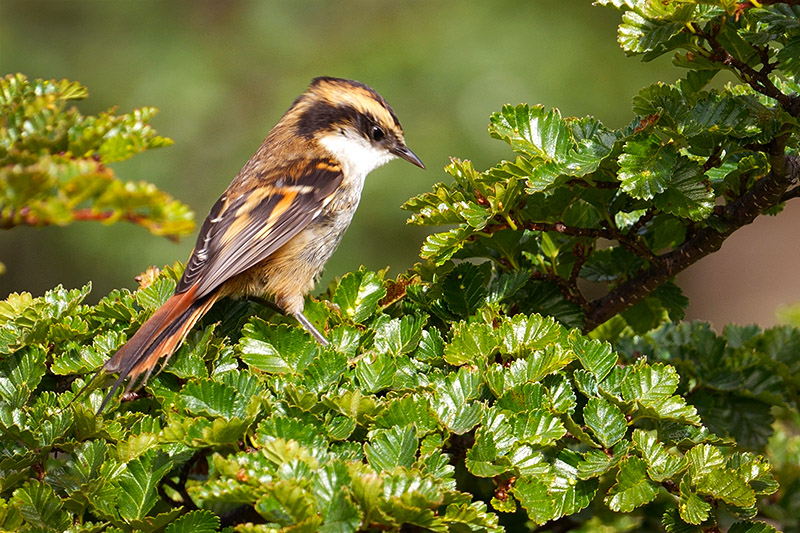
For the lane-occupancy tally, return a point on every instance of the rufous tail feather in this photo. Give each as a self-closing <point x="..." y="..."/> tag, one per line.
<point x="157" y="338"/>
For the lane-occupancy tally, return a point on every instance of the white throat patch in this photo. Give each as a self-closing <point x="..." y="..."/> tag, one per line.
<point x="356" y="154"/>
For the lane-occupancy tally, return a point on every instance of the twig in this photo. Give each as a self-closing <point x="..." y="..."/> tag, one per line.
<point x="767" y="192"/>
<point x="757" y="79"/>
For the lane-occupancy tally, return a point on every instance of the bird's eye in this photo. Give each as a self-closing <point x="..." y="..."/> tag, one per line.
<point x="376" y="133"/>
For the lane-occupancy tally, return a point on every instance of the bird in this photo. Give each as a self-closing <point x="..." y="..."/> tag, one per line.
<point x="279" y="221"/>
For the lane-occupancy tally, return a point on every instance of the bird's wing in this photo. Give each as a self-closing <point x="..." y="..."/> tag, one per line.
<point x="244" y="227"/>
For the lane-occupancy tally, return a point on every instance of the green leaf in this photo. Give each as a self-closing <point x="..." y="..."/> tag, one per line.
<point x="464" y="289"/>
<point x="399" y="336"/>
<point x="597" y="357"/>
<point x="565" y="494"/>
<point x="473" y="343"/>
<point x="650" y="384"/>
<point x="595" y="462"/>
<point x="537" y="427"/>
<point x="704" y="459"/>
<point x="633" y="488"/>
<point x="687" y="193"/>
<point x="693" y="508"/>
<point x="532" y="131"/>
<point x="674" y="524"/>
<point x="276" y="348"/>
<point x="440" y="247"/>
<point x="570" y="492"/>
<point x="751" y="527"/>
<point x="661" y="465"/>
<point x="789" y="57"/>
<point x="521" y="333"/>
<point x="210" y="398"/>
<point x="289" y="504"/>
<point x="392" y="447"/>
<point x="605" y="420"/>
<point x="20" y="374"/>
<point x="409" y="411"/>
<point x="453" y="400"/>
<point x="357" y="294"/>
<point x="726" y="485"/>
<point x="375" y="371"/>
<point x="40" y="507"/>
<point x="533" y="495"/>
<point x="646" y="166"/>
<point x="639" y="34"/>
<point x="200" y="521"/>
<point x="137" y="484"/>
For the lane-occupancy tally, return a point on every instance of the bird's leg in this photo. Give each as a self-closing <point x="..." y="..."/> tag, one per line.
<point x="298" y="315"/>
<point x="310" y="328"/>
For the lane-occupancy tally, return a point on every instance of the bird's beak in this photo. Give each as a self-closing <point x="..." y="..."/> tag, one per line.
<point x="403" y="152"/>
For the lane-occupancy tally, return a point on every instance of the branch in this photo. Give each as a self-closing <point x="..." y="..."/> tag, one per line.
<point x="767" y="192"/>
<point x="25" y="216"/>
<point x="757" y="79"/>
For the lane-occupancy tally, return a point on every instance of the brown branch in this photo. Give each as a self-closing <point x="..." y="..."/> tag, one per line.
<point x="767" y="192"/>
<point x="572" y="231"/>
<point x="757" y="79"/>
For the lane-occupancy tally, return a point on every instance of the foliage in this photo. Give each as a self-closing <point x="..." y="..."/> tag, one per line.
<point x="480" y="391"/>
<point x="54" y="161"/>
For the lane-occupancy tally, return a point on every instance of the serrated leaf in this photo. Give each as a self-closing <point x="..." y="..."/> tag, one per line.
<point x="537" y="427"/>
<point x="276" y="349"/>
<point x="595" y="356"/>
<point x="200" y="521"/>
<point x="533" y="495"/>
<point x="605" y="420"/>
<point x="788" y="57"/>
<point x="596" y="462"/>
<point x="464" y="289"/>
<point x="570" y="492"/>
<point x="674" y="524"/>
<point x="725" y="484"/>
<point x="473" y="343"/>
<point x="408" y="411"/>
<point x="751" y="527"/>
<point x="137" y="484"/>
<point x="704" y="459"/>
<point x="633" y="488"/>
<point x="358" y="293"/>
<point x="639" y="34"/>
<point x="375" y="371"/>
<point x="661" y="465"/>
<point x="440" y="247"/>
<point x="565" y="494"/>
<point x="532" y="131"/>
<point x="399" y="336"/>
<point x="521" y="333"/>
<point x="392" y="447"/>
<point x="650" y="383"/>
<point x="646" y="166"/>
<point x="693" y="508"/>
<point x="289" y="504"/>
<point x="211" y="398"/>
<point x="453" y="400"/>
<point x="40" y="507"/>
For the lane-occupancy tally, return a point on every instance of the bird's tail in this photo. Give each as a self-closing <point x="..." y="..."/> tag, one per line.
<point x="156" y="339"/>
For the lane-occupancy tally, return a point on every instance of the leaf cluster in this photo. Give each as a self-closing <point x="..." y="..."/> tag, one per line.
<point x="54" y="161"/>
<point x="405" y="420"/>
<point x="479" y="391"/>
<point x="626" y="209"/>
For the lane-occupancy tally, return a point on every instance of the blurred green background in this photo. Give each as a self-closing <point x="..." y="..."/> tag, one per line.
<point x="222" y="73"/>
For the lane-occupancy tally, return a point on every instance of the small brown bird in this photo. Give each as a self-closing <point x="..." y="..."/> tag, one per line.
<point x="274" y="228"/>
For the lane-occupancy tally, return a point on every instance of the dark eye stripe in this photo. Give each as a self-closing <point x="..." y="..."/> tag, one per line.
<point x="320" y="116"/>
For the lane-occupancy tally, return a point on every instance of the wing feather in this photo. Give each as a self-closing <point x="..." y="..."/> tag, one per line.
<point x="243" y="229"/>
